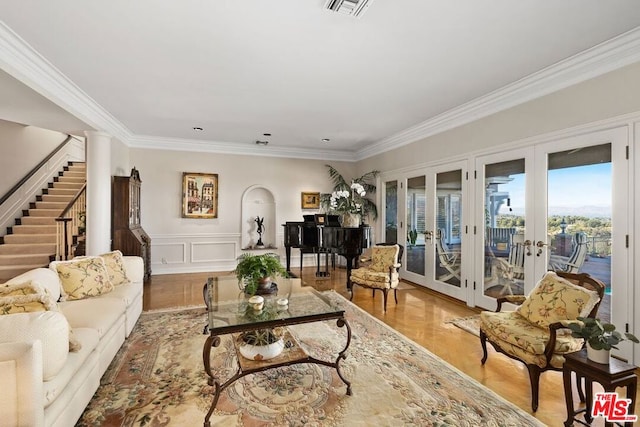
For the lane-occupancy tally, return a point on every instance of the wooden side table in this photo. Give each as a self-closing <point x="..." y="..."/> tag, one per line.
<point x="615" y="374"/>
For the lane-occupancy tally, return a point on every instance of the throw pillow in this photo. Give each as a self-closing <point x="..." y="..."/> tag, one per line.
<point x="30" y="297"/>
<point x="24" y="298"/>
<point x="555" y="299"/>
<point x="115" y="267"/>
<point x="83" y="278"/>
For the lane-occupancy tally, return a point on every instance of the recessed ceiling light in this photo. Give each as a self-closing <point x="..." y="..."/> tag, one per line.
<point x="325" y="140"/>
<point x="262" y="142"/>
<point x="198" y="129"/>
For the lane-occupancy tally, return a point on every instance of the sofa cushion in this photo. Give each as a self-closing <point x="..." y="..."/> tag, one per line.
<point x="95" y="313"/>
<point x="89" y="339"/>
<point x="126" y="293"/>
<point x="555" y="299"/>
<point x="45" y="277"/>
<point x="82" y="278"/>
<point x="49" y="327"/>
<point x="24" y="298"/>
<point x="115" y="267"/>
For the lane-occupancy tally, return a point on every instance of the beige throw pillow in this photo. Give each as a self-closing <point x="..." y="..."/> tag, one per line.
<point x="83" y="278"/>
<point x="24" y="298"/>
<point x="555" y="299"/>
<point x="115" y="267"/>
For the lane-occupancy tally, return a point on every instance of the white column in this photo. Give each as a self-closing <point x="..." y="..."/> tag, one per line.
<point x="98" y="192"/>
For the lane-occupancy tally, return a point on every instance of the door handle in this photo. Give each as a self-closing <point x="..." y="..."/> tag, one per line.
<point x="540" y="244"/>
<point x="527" y="244"/>
<point x="428" y="235"/>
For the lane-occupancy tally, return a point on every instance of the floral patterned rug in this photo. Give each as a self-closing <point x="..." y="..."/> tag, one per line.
<point x="157" y="379"/>
<point x="470" y="324"/>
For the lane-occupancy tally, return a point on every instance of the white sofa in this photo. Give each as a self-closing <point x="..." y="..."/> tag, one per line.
<point x="43" y="384"/>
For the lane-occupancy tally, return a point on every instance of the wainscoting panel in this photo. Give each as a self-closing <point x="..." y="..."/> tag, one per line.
<point x="191" y="253"/>
<point x="211" y="252"/>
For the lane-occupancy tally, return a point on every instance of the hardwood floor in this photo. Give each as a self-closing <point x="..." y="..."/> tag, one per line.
<point x="419" y="315"/>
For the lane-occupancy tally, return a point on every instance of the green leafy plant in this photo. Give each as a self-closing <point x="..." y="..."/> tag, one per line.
<point x="599" y="335"/>
<point x="262" y="336"/>
<point x="413" y="236"/>
<point x="253" y="268"/>
<point x="356" y="189"/>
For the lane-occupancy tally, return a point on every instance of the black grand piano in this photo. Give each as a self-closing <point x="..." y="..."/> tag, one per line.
<point x="322" y="234"/>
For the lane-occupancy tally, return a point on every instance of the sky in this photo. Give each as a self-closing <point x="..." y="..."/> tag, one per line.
<point x="582" y="190"/>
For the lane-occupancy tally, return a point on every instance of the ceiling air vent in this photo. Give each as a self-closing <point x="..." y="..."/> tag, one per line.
<point x="348" y="7"/>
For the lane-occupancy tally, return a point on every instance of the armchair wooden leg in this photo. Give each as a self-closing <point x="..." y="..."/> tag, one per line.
<point x="385" y="292"/>
<point x="373" y="293"/>
<point x="483" y="342"/>
<point x="395" y="295"/>
<point x="534" y="375"/>
<point x="351" y="290"/>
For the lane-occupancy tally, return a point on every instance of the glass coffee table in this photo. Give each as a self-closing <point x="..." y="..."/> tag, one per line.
<point x="229" y="312"/>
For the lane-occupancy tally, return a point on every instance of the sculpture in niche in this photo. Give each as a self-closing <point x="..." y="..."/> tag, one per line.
<point x="260" y="224"/>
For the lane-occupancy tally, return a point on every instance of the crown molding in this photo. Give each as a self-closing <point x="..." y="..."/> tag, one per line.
<point x="22" y="62"/>
<point x="244" y="149"/>
<point x="25" y="64"/>
<point x="608" y="56"/>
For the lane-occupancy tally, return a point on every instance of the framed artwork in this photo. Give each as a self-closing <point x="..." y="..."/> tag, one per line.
<point x="199" y="195"/>
<point x="310" y="200"/>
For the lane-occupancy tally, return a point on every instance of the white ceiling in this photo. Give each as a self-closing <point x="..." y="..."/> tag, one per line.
<point x="148" y="71"/>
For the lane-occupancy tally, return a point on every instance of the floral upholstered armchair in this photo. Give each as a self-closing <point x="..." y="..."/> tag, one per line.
<point x="382" y="272"/>
<point x="536" y="333"/>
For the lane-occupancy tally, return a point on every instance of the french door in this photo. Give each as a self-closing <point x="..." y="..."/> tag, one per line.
<point x="561" y="205"/>
<point x="425" y="212"/>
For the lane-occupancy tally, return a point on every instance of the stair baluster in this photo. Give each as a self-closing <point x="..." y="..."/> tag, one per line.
<point x="70" y="225"/>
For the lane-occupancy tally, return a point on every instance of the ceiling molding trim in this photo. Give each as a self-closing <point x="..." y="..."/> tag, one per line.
<point x="25" y="64"/>
<point x="180" y="144"/>
<point x="603" y="58"/>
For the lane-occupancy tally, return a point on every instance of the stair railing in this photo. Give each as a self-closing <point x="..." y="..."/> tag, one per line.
<point x="69" y="224"/>
<point x="33" y="171"/>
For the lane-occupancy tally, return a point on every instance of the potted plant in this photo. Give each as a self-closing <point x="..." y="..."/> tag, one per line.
<point x="265" y="343"/>
<point x="413" y="236"/>
<point x="347" y="199"/>
<point x="600" y="337"/>
<point x="254" y="272"/>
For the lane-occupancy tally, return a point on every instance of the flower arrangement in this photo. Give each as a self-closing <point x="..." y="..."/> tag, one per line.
<point x="350" y="198"/>
<point x="345" y="201"/>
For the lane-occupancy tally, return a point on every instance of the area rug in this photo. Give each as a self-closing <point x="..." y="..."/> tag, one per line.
<point x="470" y="324"/>
<point x="157" y="379"/>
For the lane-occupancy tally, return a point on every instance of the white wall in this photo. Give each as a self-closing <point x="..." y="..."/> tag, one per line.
<point x="185" y="244"/>
<point x="609" y="95"/>
<point x="22" y="148"/>
<point x="120" y="159"/>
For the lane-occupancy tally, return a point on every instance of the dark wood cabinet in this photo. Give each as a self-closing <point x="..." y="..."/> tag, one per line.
<point x="126" y="230"/>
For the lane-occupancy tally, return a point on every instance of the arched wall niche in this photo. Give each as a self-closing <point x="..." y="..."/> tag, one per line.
<point x="258" y="201"/>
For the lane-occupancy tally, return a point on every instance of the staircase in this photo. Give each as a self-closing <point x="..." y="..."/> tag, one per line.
<point x="31" y="243"/>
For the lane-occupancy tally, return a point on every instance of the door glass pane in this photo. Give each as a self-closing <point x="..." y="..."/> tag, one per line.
<point x="448" y="257"/>
<point x="391" y="211"/>
<point x="579" y="201"/>
<point x="416" y="209"/>
<point x="504" y="212"/>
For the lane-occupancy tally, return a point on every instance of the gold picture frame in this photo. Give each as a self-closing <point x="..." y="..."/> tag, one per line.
<point x="310" y="200"/>
<point x="199" y="195"/>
